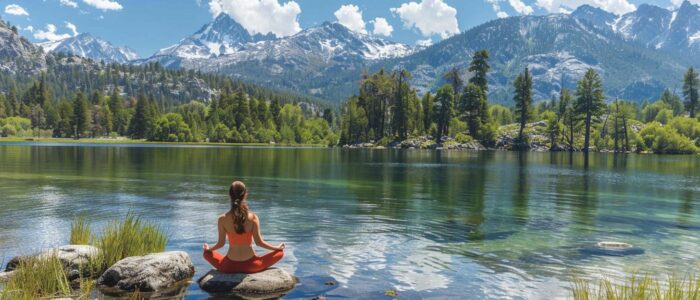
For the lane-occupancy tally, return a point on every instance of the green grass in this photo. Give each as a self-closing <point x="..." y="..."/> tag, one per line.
<point x="37" y="278"/>
<point x="80" y="232"/>
<point x="639" y="288"/>
<point x="128" y="237"/>
<point x="13" y="139"/>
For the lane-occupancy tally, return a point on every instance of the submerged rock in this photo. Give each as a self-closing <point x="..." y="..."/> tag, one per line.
<point x="271" y="283"/>
<point x="74" y="259"/>
<point x="149" y="273"/>
<point x="612" y="249"/>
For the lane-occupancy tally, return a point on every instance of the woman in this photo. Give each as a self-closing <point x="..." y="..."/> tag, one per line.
<point x="242" y="227"/>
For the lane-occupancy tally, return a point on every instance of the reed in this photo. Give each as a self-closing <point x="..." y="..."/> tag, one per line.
<point x="638" y="288"/>
<point x="128" y="237"/>
<point x="80" y="232"/>
<point x="37" y="278"/>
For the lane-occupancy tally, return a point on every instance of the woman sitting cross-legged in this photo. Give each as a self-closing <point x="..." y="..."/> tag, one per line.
<point x="242" y="227"/>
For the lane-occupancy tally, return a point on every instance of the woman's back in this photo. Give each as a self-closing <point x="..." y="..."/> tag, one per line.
<point x="240" y="244"/>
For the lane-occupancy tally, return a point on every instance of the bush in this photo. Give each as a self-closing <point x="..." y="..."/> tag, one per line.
<point x="463" y="138"/>
<point x="671" y="142"/>
<point x="638" y="288"/>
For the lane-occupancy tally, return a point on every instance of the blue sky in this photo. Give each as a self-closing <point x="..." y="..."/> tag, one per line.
<point x="148" y="25"/>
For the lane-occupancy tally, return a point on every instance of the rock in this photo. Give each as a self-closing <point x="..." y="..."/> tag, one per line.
<point x="5" y="276"/>
<point x="74" y="258"/>
<point x="149" y="273"/>
<point x="271" y="283"/>
<point x="612" y="249"/>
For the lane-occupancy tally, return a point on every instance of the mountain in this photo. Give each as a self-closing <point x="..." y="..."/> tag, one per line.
<point x="220" y="37"/>
<point x="17" y="54"/>
<point x="316" y="61"/>
<point x="88" y="46"/>
<point x="676" y="32"/>
<point x="557" y="48"/>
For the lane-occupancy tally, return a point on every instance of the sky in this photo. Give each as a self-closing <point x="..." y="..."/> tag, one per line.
<point x="149" y="25"/>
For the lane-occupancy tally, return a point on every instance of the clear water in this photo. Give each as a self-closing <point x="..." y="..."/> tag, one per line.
<point x="430" y="224"/>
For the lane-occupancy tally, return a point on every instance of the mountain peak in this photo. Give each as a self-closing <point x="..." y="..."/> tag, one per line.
<point x="89" y="46"/>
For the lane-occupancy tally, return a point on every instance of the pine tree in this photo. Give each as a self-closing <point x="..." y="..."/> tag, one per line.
<point x="567" y="115"/>
<point x="589" y="102"/>
<point x="401" y="109"/>
<point x="427" y="104"/>
<point x="690" y="91"/>
<point x="119" y="114"/>
<point x="479" y="66"/>
<point x="81" y="115"/>
<point x="453" y="78"/>
<point x="523" y="101"/>
<point x="142" y="119"/>
<point x="444" y="100"/>
<point x="474" y="109"/>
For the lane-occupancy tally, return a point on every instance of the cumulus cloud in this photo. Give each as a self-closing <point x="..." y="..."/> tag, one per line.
<point x="565" y="6"/>
<point x="104" y="4"/>
<point x="521" y="7"/>
<point x="50" y="33"/>
<point x="69" y="3"/>
<point x="29" y="28"/>
<point x="14" y="9"/>
<point x="496" y="6"/>
<point x="350" y="16"/>
<point x="261" y="16"/>
<point x="429" y="17"/>
<point x="382" y="27"/>
<point x="72" y="28"/>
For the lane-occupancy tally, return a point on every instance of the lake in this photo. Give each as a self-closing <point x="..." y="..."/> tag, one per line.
<point x="441" y="224"/>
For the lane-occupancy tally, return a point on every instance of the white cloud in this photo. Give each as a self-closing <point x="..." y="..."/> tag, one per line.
<point x="70" y="3"/>
<point x="424" y="43"/>
<point x="261" y="16"/>
<point x="104" y="4"/>
<point x="429" y="17"/>
<point x="350" y="16"/>
<point x="496" y="6"/>
<point x="521" y="7"/>
<point x="564" y="6"/>
<point x="29" y="28"/>
<point x="72" y="28"/>
<point x="382" y="27"/>
<point x="14" y="9"/>
<point x="50" y="33"/>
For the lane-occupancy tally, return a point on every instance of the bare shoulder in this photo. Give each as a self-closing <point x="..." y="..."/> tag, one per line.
<point x="253" y="217"/>
<point x="223" y="217"/>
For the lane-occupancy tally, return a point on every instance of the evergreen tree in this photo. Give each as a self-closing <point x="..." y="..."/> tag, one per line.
<point x="523" y="101"/>
<point x="589" y="102"/>
<point x="275" y="113"/>
<point x="567" y="115"/>
<point x="81" y="115"/>
<point x="690" y="91"/>
<point x="401" y="107"/>
<point x="427" y="104"/>
<point x="444" y="102"/>
<point x="479" y="66"/>
<point x="4" y="107"/>
<point x="142" y="120"/>
<point x="453" y="78"/>
<point x="120" y="117"/>
<point x="474" y="109"/>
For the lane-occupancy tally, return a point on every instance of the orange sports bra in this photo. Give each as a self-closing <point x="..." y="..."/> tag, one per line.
<point x="245" y="238"/>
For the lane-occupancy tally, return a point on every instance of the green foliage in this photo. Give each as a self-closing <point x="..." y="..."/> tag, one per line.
<point x="666" y="139"/>
<point x="170" y="127"/>
<point x="15" y="126"/>
<point x="444" y="106"/>
<point x="463" y="138"/>
<point x="479" y="66"/>
<point x="523" y="100"/>
<point x="500" y="114"/>
<point x="81" y="115"/>
<point x="589" y="102"/>
<point x="691" y="83"/>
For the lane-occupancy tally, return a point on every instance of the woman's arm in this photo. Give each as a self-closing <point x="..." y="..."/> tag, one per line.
<point x="222" y="235"/>
<point x="257" y="236"/>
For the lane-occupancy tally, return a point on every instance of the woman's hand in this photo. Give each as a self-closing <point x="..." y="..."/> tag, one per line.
<point x="280" y="247"/>
<point x="205" y="247"/>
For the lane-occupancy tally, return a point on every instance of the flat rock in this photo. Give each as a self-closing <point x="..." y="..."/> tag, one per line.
<point x="149" y="273"/>
<point x="271" y="283"/>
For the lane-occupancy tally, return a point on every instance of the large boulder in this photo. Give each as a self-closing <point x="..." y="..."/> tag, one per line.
<point x="271" y="283"/>
<point x="75" y="259"/>
<point x="149" y="273"/>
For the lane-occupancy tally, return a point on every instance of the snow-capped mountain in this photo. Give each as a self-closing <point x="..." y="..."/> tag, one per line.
<point x="300" y="62"/>
<point x="677" y="30"/>
<point x="88" y="46"/>
<point x="220" y="37"/>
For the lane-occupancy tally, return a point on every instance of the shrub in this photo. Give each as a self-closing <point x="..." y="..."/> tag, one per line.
<point x="463" y="138"/>
<point x="638" y="288"/>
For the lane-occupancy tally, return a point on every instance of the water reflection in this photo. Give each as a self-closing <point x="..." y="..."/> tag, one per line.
<point x="428" y="223"/>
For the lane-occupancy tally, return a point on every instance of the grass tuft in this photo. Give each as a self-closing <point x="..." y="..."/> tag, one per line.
<point x="37" y="278"/>
<point x="80" y="232"/>
<point x="638" y="288"/>
<point x="129" y="237"/>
